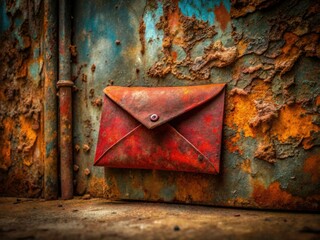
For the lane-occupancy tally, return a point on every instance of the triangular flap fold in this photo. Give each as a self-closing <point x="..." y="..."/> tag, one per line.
<point x="154" y="106"/>
<point x="161" y="148"/>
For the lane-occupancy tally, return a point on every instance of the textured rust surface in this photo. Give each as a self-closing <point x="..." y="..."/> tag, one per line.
<point x="273" y="195"/>
<point x="186" y="32"/>
<point x="241" y="8"/>
<point x="268" y="54"/>
<point x="142" y="31"/>
<point x="21" y="96"/>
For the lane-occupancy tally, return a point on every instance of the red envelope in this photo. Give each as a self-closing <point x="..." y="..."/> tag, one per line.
<point x="164" y="128"/>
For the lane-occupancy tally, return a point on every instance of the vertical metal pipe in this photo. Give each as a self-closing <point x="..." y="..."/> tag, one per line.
<point x="65" y="104"/>
<point x="50" y="100"/>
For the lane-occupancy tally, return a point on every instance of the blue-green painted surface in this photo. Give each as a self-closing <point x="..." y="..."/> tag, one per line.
<point x="245" y="180"/>
<point x="202" y="9"/>
<point x="4" y="19"/>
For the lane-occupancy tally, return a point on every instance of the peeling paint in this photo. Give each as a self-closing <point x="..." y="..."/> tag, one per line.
<point x="293" y="122"/>
<point x="312" y="167"/>
<point x="268" y="54"/>
<point x="21" y="95"/>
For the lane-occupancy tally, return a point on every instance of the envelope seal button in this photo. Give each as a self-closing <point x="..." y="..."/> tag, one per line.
<point x="154" y="117"/>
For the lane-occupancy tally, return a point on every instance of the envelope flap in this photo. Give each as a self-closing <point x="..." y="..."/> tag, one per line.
<point x="155" y="106"/>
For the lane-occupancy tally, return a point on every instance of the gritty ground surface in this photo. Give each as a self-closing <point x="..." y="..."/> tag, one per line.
<point x="102" y="219"/>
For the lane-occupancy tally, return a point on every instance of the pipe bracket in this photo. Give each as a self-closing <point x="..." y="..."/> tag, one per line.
<point x="65" y="83"/>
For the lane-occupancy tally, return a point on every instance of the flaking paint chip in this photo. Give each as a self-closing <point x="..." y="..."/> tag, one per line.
<point x="86" y="147"/>
<point x="87" y="172"/>
<point x="77" y="147"/>
<point x="75" y="168"/>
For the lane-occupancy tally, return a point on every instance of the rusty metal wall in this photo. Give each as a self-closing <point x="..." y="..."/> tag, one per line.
<point x="268" y="54"/>
<point x="21" y="98"/>
<point x="266" y="51"/>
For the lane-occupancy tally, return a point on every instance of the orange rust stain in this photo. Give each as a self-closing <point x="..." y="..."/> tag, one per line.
<point x="238" y="201"/>
<point x="247" y="8"/>
<point x="22" y="71"/>
<point x="5" y="144"/>
<point x="173" y="21"/>
<point x="242" y="47"/>
<point x="273" y="196"/>
<point x="290" y="53"/>
<point x="111" y="188"/>
<point x="240" y="116"/>
<point x="2" y="96"/>
<point x="232" y="143"/>
<point x="174" y="18"/>
<point x="174" y="55"/>
<point x="290" y="39"/>
<point x="287" y="60"/>
<point x="175" y="25"/>
<point x="97" y="186"/>
<point x="193" y="189"/>
<point x="318" y="100"/>
<point x="261" y="90"/>
<point x="153" y="185"/>
<point x="309" y="42"/>
<point x="246" y="166"/>
<point x="27" y="133"/>
<point x="312" y="166"/>
<point x="307" y="143"/>
<point x="293" y="122"/>
<point x="222" y="16"/>
<point x="27" y="141"/>
<point x="241" y="108"/>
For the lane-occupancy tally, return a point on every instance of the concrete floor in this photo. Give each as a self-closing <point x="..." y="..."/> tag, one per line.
<point x="102" y="219"/>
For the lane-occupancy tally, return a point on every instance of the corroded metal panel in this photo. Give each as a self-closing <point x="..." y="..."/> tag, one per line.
<point x="267" y="52"/>
<point x="21" y="96"/>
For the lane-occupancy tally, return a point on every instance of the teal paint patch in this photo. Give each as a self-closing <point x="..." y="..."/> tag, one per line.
<point x="23" y="42"/>
<point x="151" y="18"/>
<point x="20" y="40"/>
<point x="153" y="36"/>
<point x="232" y="182"/>
<point x="167" y="193"/>
<point x="257" y="36"/>
<point x="246" y="62"/>
<point x="127" y="190"/>
<point x="198" y="49"/>
<point x="97" y="26"/>
<point x="203" y="9"/>
<point x="18" y="21"/>
<point x="36" y="53"/>
<point x="181" y="54"/>
<point x="240" y="170"/>
<point x="34" y="70"/>
<point x="50" y="147"/>
<point x="289" y="172"/>
<point x="306" y="78"/>
<point x="4" y="19"/>
<point x="94" y="29"/>
<point x="222" y="75"/>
